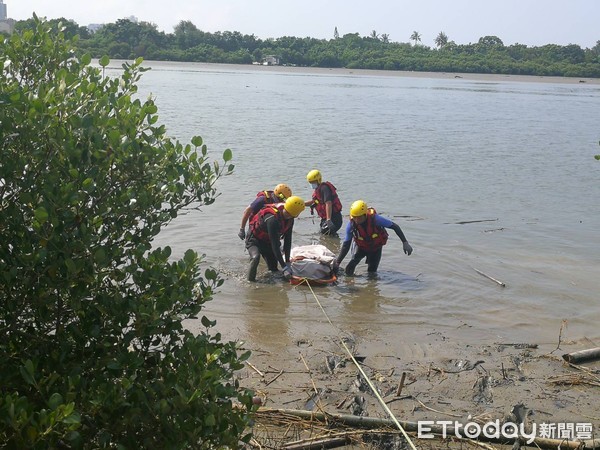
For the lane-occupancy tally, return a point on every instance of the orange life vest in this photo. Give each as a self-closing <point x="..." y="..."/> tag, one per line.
<point x="319" y="204"/>
<point x="368" y="236"/>
<point x="258" y="227"/>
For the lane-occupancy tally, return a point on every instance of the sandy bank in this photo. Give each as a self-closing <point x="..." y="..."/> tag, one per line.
<point x="379" y="73"/>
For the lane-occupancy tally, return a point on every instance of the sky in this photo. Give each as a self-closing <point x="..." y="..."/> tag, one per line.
<point x="529" y="22"/>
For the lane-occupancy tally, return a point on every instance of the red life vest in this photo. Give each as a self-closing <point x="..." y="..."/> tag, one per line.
<point x="368" y="236"/>
<point x="258" y="227"/>
<point x="336" y="205"/>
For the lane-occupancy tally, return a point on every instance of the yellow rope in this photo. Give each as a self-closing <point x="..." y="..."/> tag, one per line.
<point x="364" y="375"/>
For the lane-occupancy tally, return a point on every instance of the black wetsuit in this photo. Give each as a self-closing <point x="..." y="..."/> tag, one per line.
<point x="336" y="217"/>
<point x="270" y="249"/>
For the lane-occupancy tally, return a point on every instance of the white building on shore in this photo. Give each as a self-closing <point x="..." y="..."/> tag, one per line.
<point x="271" y="60"/>
<point x="6" y="25"/>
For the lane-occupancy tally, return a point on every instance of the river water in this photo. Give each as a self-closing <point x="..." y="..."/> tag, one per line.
<point x="495" y="175"/>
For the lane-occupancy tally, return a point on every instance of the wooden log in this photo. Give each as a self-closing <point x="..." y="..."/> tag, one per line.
<point x="591" y="354"/>
<point x="464" y="222"/>
<point x="320" y="443"/>
<point x="332" y="441"/>
<point x="413" y="427"/>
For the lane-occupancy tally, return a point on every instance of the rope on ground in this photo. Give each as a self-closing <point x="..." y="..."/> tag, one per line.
<point x="364" y="375"/>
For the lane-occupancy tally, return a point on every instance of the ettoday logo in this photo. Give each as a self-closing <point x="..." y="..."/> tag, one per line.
<point x="507" y="430"/>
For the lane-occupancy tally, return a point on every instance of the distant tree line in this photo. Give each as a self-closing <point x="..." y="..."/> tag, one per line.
<point x="128" y="40"/>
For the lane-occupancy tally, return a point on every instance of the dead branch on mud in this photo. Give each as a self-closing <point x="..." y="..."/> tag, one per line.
<point x="334" y="424"/>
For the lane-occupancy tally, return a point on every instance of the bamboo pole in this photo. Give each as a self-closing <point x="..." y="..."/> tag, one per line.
<point x="489" y="278"/>
<point x="255" y="369"/>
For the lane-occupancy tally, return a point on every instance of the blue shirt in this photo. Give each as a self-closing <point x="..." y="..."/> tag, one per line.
<point x="380" y="221"/>
<point x="258" y="204"/>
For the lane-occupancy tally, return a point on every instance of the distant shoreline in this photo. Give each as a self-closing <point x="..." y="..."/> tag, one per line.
<point x="379" y="73"/>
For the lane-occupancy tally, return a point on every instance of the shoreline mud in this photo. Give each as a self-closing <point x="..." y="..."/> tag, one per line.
<point x="446" y="380"/>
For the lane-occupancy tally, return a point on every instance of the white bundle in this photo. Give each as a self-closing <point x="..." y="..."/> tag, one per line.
<point x="311" y="261"/>
<point x="318" y="252"/>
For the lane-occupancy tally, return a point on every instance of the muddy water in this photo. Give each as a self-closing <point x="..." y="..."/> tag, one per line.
<point x="494" y="175"/>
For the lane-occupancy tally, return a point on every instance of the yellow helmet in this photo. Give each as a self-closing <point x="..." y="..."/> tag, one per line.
<point x="282" y="191"/>
<point x="314" y="176"/>
<point x="358" y="208"/>
<point x="294" y="205"/>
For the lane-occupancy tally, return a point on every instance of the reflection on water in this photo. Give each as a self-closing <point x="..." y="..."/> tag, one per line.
<point x="360" y="303"/>
<point x="333" y="243"/>
<point x="365" y="296"/>
<point x="265" y="316"/>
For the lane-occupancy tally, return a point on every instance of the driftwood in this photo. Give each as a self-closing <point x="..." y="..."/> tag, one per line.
<point x="464" y="222"/>
<point x="575" y="379"/>
<point x="410" y="217"/>
<point x="319" y="443"/>
<point x="343" y="439"/>
<point x="274" y="378"/>
<point x="591" y="354"/>
<point x="401" y="384"/>
<point x="413" y="427"/>
<point x="520" y="345"/>
<point x="489" y="278"/>
<point x="563" y="325"/>
<point x="433" y="410"/>
<point x="493" y="230"/>
<point x="255" y="369"/>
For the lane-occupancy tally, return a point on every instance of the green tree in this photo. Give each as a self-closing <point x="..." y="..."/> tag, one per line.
<point x="416" y="37"/>
<point x="257" y="55"/>
<point x="187" y="35"/>
<point x="93" y="349"/>
<point x="491" y="41"/>
<point x="573" y="53"/>
<point x="68" y="27"/>
<point x="127" y="39"/>
<point x="441" y="40"/>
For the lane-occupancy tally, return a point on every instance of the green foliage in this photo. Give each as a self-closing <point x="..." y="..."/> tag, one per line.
<point x="441" y="40"/>
<point x="127" y="40"/>
<point x="68" y="27"/>
<point x="93" y="351"/>
<point x="491" y="41"/>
